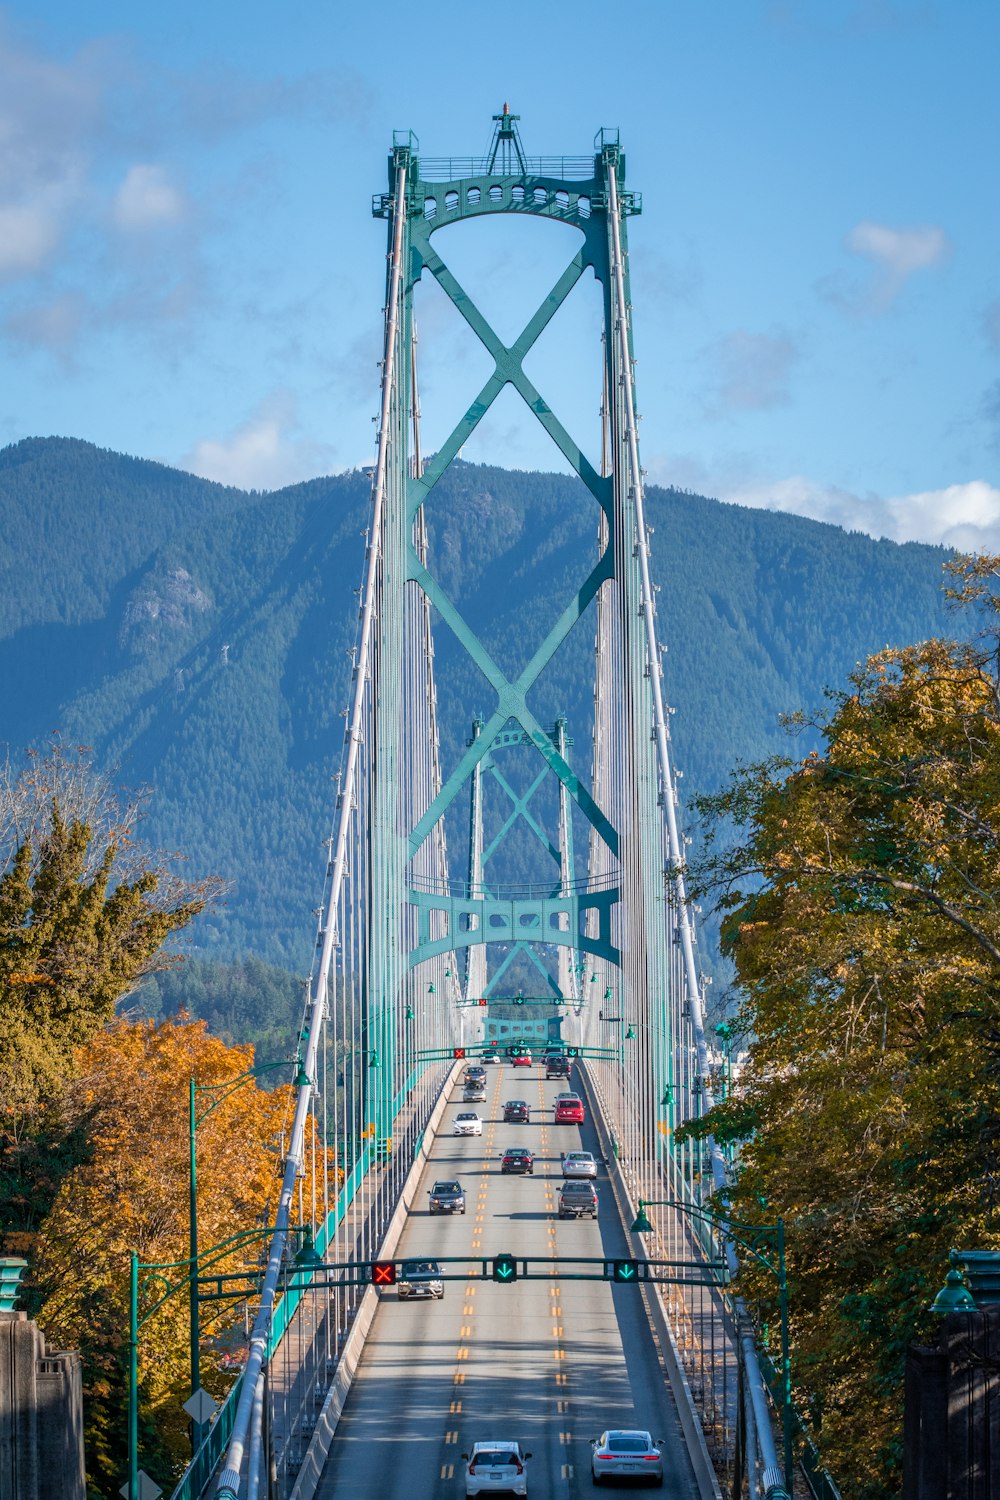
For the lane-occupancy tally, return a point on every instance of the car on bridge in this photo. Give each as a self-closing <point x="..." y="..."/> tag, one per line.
<point x="474" y="1092"/>
<point x="626" y="1454"/>
<point x="556" y="1066"/>
<point x="467" y="1122"/>
<point x="577" y="1199"/>
<point x="419" y="1278"/>
<point x="522" y="1059"/>
<point x="447" y="1198"/>
<point x="496" y="1467"/>
<point x="578" y="1164"/>
<point x="518" y="1159"/>
<point x="517" y="1112"/>
<point x="474" y="1073"/>
<point x="569" y="1109"/>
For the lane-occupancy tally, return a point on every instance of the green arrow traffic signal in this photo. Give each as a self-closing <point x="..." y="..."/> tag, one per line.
<point x="504" y="1268"/>
<point x="625" y="1270"/>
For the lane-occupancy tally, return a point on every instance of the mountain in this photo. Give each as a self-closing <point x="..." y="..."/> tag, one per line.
<point x="197" y="638"/>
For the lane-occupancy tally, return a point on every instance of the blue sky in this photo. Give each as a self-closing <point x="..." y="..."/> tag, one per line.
<point x="189" y="270"/>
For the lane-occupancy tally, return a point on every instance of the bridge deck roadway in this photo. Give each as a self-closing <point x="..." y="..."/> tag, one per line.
<point x="550" y="1364"/>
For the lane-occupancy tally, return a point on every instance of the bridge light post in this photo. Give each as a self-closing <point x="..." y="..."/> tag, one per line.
<point x="749" y="1237"/>
<point x="306" y="1258"/>
<point x="223" y="1090"/>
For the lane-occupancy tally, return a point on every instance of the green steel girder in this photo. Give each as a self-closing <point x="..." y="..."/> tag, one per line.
<point x="522" y="947"/>
<point x="520" y="809"/>
<point x="511" y="702"/>
<point x="515" y="920"/>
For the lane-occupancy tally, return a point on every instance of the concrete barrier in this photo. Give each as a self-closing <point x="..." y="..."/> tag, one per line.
<point x="314" y="1462"/>
<point x="704" y="1472"/>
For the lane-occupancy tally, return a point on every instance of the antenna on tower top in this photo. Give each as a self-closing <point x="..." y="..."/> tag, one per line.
<point x="506" y="144"/>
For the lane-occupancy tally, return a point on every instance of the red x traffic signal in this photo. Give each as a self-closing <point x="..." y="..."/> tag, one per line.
<point x="458" y="1052"/>
<point x="383" y="1273"/>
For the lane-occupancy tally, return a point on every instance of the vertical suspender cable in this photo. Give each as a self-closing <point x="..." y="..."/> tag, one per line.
<point x="229" y="1481"/>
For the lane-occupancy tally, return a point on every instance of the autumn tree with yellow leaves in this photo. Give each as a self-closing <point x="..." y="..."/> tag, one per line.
<point x="861" y="909"/>
<point x="130" y="1103"/>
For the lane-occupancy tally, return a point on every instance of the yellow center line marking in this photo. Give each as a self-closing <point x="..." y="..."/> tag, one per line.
<point x="559" y="1354"/>
<point x="462" y="1354"/>
<point x="468" y="1309"/>
<point x="567" y="1471"/>
<point x="464" y="1333"/>
<point x="452" y="1437"/>
<point x="560" y="1379"/>
<point x="447" y="1471"/>
<point x="565" y="1437"/>
<point x="561" y="1406"/>
<point x="557" y="1333"/>
<point x="456" y="1406"/>
<point x="459" y="1378"/>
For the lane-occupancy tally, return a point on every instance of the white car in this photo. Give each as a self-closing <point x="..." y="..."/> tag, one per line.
<point x="626" y="1454"/>
<point x="497" y="1466"/>
<point x="578" y="1164"/>
<point x="467" y="1122"/>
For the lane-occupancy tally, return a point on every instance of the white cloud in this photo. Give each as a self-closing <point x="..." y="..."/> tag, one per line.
<point x="896" y="256"/>
<point x="264" y="453"/>
<point x="147" y="199"/>
<point x="29" y="233"/>
<point x="751" y="371"/>
<point x="963" y="516"/>
<point x="900" y="251"/>
<point x="53" y="325"/>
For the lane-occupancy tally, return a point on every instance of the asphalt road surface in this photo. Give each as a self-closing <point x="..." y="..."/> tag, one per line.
<point x="549" y="1364"/>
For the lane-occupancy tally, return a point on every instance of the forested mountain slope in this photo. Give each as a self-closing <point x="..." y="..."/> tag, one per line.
<point x="197" y="638"/>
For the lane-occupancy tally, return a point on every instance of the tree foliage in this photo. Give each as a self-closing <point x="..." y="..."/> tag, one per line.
<point x="861" y="908"/>
<point x="84" y="911"/>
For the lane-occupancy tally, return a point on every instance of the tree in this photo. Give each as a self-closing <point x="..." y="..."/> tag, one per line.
<point x="861" y="908"/>
<point x="84" y="912"/>
<point x="130" y="1103"/>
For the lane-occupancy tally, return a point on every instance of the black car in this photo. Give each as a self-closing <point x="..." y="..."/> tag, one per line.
<point x="518" y="1159"/>
<point x="556" y="1066"/>
<point x="517" y="1112"/>
<point x="447" y="1198"/>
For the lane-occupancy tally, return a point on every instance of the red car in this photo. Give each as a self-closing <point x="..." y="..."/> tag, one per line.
<point x="522" y="1060"/>
<point x="569" y="1109"/>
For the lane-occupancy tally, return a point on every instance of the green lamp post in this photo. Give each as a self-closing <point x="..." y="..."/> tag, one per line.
<point x="750" y="1237"/>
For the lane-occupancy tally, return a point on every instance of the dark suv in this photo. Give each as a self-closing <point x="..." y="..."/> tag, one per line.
<point x="517" y="1112"/>
<point x="447" y="1198"/>
<point x="577" y="1199"/>
<point x="556" y="1066"/>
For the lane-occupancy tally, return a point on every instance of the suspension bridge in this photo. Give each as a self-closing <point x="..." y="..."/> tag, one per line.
<point x="436" y="947"/>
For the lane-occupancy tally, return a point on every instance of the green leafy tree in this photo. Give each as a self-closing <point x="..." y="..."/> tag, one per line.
<point x="84" y="912"/>
<point x="861" y="908"/>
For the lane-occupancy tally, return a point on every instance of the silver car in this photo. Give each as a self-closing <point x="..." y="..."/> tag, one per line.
<point x="626" y="1453"/>
<point x="467" y="1122"/>
<point x="420" y="1278"/>
<point x="578" y="1164"/>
